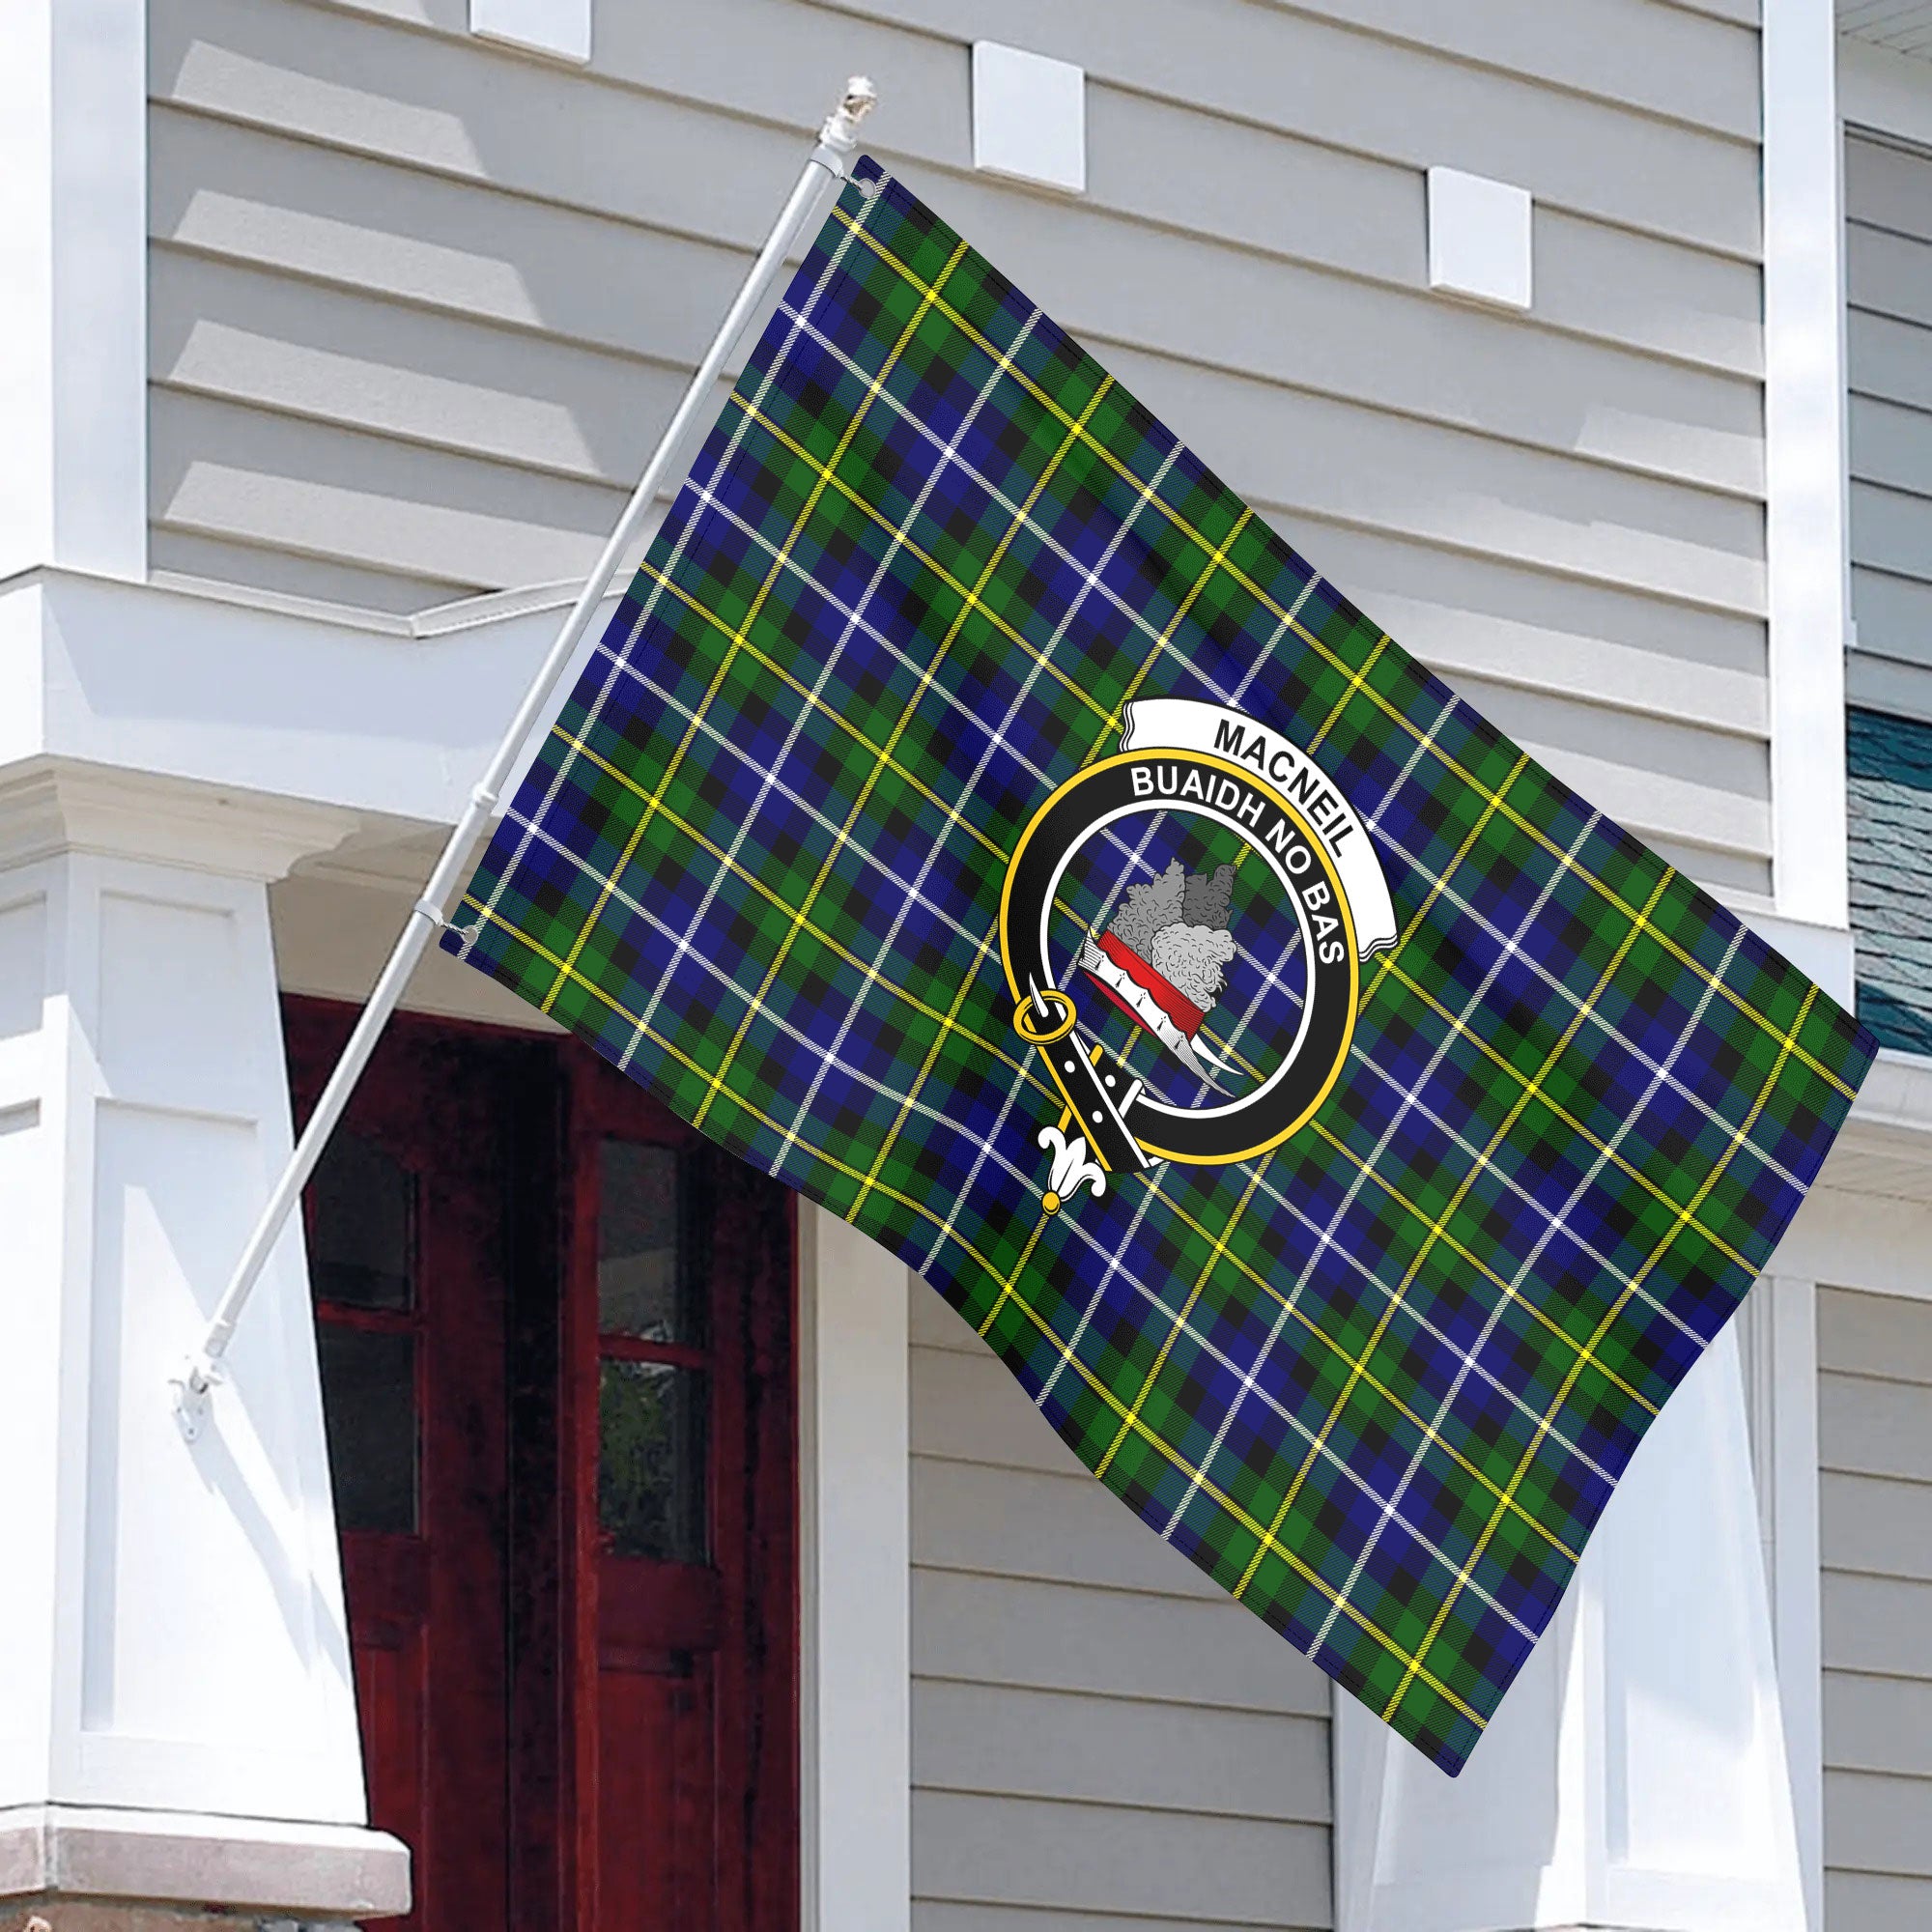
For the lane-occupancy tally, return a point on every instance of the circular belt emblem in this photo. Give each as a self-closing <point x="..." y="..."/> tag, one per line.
<point x="1116" y="965"/>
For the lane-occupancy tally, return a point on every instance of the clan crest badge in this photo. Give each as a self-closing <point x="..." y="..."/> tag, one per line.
<point x="1197" y="1009"/>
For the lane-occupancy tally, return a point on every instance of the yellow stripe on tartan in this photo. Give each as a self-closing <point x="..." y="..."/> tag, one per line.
<point x="1240" y="1516"/>
<point x="1532" y="1089"/>
<point x="1365" y="1170"/>
<point x="932" y="563"/>
<point x="1358" y="1365"/>
<point x="778" y="671"/>
<point x="1381" y="1388"/>
<point x="1441" y="884"/>
<point x="1389" y="965"/>
<point x="851" y="430"/>
<point x="1358" y="681"/>
<point x="924" y="1212"/>
<point x="1437" y="1227"/>
<point x="1013" y="528"/>
<point x="1562" y="1113"/>
<point x="1585" y="1353"/>
<point x="1179" y="1321"/>
<point x="926" y="680"/>
<point x="1042" y="1090"/>
<point x="1562" y="1395"/>
<point x="1787" y="1041"/>
<point x="867" y="969"/>
<point x="1233" y="1509"/>
<point x="1217" y="560"/>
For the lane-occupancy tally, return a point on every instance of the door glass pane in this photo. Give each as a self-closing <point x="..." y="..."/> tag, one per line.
<point x="363" y="1249"/>
<point x="648" y="1278"/>
<point x="369" y="1402"/>
<point x="650" y="1469"/>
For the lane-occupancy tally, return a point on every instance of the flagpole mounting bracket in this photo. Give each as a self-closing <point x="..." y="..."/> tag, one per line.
<point x="192" y="1386"/>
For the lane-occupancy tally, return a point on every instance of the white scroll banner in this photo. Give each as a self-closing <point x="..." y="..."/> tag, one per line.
<point x="1188" y="724"/>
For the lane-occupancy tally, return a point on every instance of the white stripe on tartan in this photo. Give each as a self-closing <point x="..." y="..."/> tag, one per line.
<point x="1020" y="1085"/>
<point x="950" y="700"/>
<point x="1129" y="611"/>
<point x="1397" y="717"/>
<point x="1593" y="1017"/>
<point x="1488" y="1166"/>
<point x="993" y="743"/>
<point x="1362" y="1175"/>
<point x="1391" y="1507"/>
<point x="798" y="801"/>
<point x="841" y="839"/>
<point x="1014" y="1174"/>
<point x="1485" y="1163"/>
<point x="869" y="193"/>
<point x="1270" y="980"/>
<point x="984" y="945"/>
<point x="1324" y="1239"/>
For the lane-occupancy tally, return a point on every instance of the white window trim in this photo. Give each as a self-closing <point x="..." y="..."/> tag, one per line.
<point x="1805" y="460"/>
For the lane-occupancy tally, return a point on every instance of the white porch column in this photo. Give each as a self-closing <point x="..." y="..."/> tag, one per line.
<point x="1634" y="1777"/>
<point x="854" y="1499"/>
<point x="177" y="1715"/>
<point x="1777" y="1338"/>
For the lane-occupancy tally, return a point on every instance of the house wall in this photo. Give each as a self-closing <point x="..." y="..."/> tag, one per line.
<point x="1888" y="356"/>
<point x="419" y="305"/>
<point x="1875" y="1460"/>
<point x="1097" y="1730"/>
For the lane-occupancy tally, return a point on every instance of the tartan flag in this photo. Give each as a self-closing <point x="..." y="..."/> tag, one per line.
<point x="977" y="817"/>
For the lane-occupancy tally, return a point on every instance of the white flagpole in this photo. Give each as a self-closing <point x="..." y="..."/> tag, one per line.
<point x="192" y="1383"/>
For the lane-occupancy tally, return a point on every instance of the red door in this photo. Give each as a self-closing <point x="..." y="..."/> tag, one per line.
<point x="556" y="1336"/>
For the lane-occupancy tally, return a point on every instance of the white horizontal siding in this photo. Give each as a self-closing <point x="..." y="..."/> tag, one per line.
<point x="997" y="1629"/>
<point x="1875" y="1454"/>
<point x="1097" y="1729"/>
<point x="1889" y="353"/>
<point x="1095" y="1858"/>
<point x="420" y="305"/>
<point x="1592" y="144"/>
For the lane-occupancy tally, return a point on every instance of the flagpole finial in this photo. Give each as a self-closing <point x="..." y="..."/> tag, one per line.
<point x="841" y="125"/>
